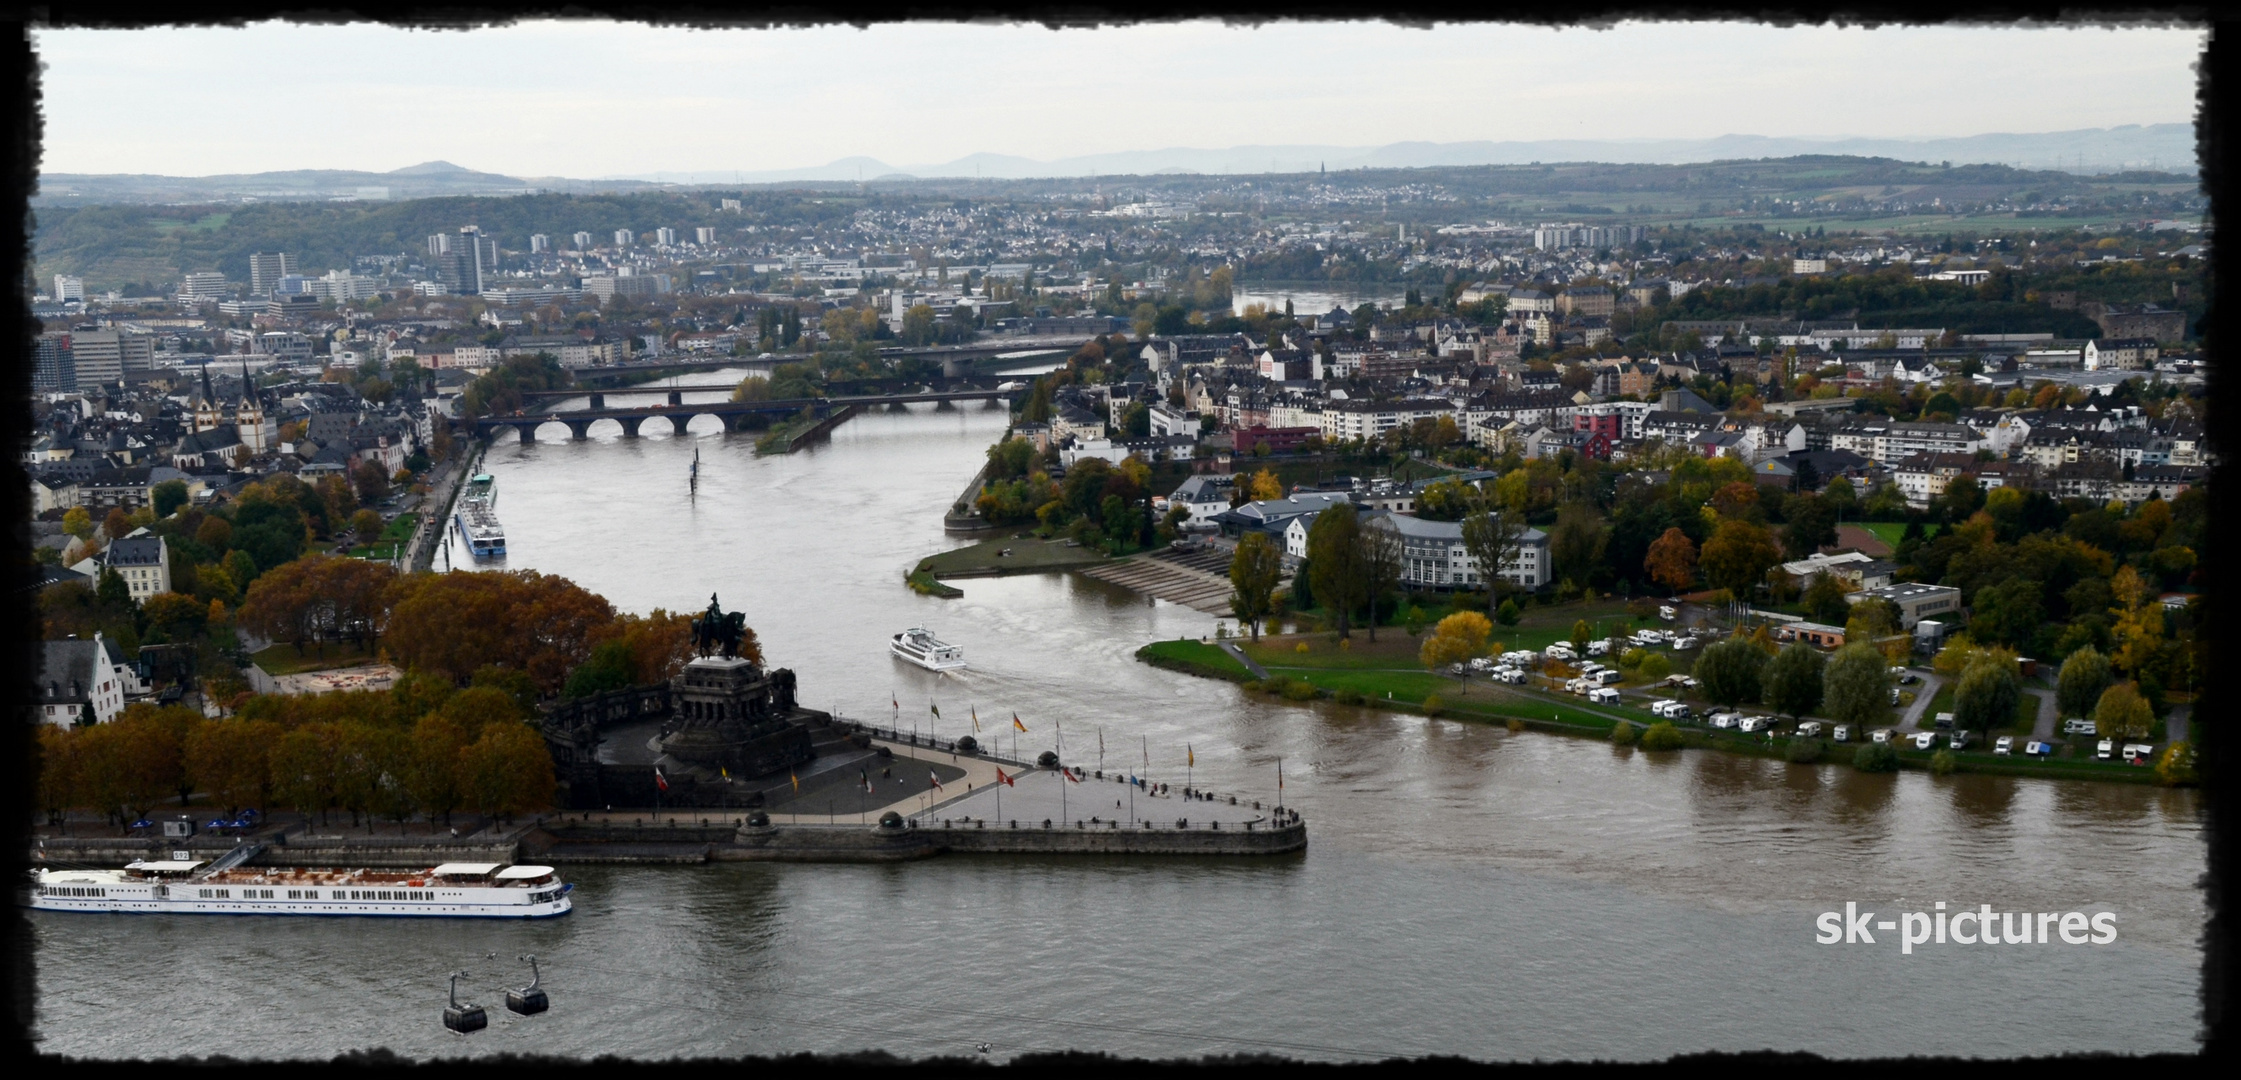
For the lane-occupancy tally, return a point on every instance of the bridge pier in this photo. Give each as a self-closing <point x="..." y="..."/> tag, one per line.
<point x="528" y="431"/>
<point x="630" y="425"/>
<point x="579" y="429"/>
<point x="677" y="424"/>
<point x="676" y="397"/>
<point x="599" y="401"/>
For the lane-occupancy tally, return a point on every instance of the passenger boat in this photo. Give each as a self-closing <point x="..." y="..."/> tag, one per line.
<point x="478" y="518"/>
<point x="919" y="646"/>
<point x="190" y="887"/>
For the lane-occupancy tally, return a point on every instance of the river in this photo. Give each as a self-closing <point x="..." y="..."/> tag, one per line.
<point x="1466" y="890"/>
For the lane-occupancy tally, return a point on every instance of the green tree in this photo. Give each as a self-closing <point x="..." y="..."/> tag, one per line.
<point x="1730" y="671"/>
<point x="1508" y="613"/>
<point x="2085" y="676"/>
<point x="2011" y="612"/>
<point x="1383" y="560"/>
<point x="608" y="669"/>
<point x="1335" y="552"/>
<point x="1855" y="686"/>
<point x="1253" y="572"/>
<point x="169" y="497"/>
<point x="1987" y="695"/>
<point x="1876" y="757"/>
<point x="1824" y="600"/>
<point x="1576" y="542"/>
<point x="1812" y="525"/>
<point x="1654" y="667"/>
<point x="1792" y="681"/>
<point x="1581" y="632"/>
<point x="1493" y="535"/>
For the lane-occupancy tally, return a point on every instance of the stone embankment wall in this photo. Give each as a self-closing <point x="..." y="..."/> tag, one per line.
<point x="377" y="852"/>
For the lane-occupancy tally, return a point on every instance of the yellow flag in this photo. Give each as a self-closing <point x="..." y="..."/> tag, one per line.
<point x="725" y="771"/>
<point x="1190" y="757"/>
<point x="796" y="778"/>
<point x="976" y="719"/>
<point x="1016" y="723"/>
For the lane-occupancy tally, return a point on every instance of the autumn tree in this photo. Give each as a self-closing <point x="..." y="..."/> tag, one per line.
<point x="1730" y="670"/>
<point x="456" y="623"/>
<point x="1737" y="556"/>
<point x="1457" y="638"/>
<point x="1253" y="572"/>
<point x="1384" y="559"/>
<point x="1672" y="560"/>
<point x="506" y="771"/>
<point x="1263" y="486"/>
<point x="2122" y="713"/>
<point x="1987" y="694"/>
<point x="231" y="760"/>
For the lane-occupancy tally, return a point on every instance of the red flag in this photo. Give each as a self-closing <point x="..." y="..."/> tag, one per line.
<point x="660" y="781"/>
<point x="1068" y="774"/>
<point x="935" y="778"/>
<point x="1004" y="777"/>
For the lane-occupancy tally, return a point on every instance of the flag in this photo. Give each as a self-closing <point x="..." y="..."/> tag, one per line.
<point x="1003" y="777"/>
<point x="892" y="700"/>
<point x="976" y="719"/>
<point x="660" y="781"/>
<point x="796" y="778"/>
<point x="865" y="777"/>
<point x="725" y="771"/>
<point x="937" y="710"/>
<point x="1068" y="774"/>
<point x="935" y="778"/>
<point x="1016" y="723"/>
<point x="1190" y="756"/>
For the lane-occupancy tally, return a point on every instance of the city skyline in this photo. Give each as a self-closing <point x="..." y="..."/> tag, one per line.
<point x="546" y="91"/>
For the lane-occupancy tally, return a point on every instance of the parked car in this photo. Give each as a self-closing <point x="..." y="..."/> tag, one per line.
<point x="1841" y="733"/>
<point x="1958" y="740"/>
<point x="2104" y="748"/>
<point x="1811" y="729"/>
<point x="2005" y="744"/>
<point x="1882" y="735"/>
<point x="1684" y="643"/>
<point x="1894" y="695"/>
<point x="1908" y="678"/>
<point x="1925" y="740"/>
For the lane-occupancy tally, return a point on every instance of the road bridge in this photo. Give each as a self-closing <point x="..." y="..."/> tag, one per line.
<point x="735" y="415"/>
<point x="536" y="400"/>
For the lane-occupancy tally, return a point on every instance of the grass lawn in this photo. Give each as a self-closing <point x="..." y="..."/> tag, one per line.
<point x="1027" y="556"/>
<point x="281" y="659"/>
<point x="401" y="528"/>
<point x="1887" y="531"/>
<point x="1194" y="657"/>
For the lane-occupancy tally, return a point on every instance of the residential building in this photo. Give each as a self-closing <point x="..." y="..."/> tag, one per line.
<point x="539" y="244"/>
<point x="1206" y="497"/>
<point x="1901" y="439"/>
<point x="69" y="289"/>
<point x="1271" y="515"/>
<point x="1433" y="555"/>
<point x="624" y="238"/>
<point x="143" y="561"/>
<point x="81" y="680"/>
<point x="103" y="356"/>
<point x="267" y="268"/>
<point x="203" y="286"/>
<point x="2121" y="354"/>
<point x="704" y="236"/>
<point x="54" y="368"/>
<point x="582" y="241"/>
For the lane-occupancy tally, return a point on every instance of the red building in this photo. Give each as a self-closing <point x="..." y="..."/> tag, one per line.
<point x="1283" y="440"/>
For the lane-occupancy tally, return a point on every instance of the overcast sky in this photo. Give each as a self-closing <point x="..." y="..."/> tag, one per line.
<point x="587" y="99"/>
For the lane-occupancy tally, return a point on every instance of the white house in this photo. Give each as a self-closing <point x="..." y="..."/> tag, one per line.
<point x="1433" y="555"/>
<point x="76" y="676"/>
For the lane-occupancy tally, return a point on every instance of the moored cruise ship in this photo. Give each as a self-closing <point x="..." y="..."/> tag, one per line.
<point x="919" y="646"/>
<point x="185" y="886"/>
<point x="477" y="516"/>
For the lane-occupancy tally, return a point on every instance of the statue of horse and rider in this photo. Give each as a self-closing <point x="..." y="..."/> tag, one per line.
<point x="717" y="633"/>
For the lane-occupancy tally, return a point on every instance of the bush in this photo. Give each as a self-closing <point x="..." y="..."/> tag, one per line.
<point x="1507" y="614"/>
<point x="1663" y="736"/>
<point x="1351" y="697"/>
<point x="1804" y="751"/>
<point x="1632" y="658"/>
<point x="1654" y="667"/>
<point x="1876" y="757"/>
<point x="1515" y="725"/>
<point x="1622" y="734"/>
<point x="1301" y="690"/>
<point x="1941" y="763"/>
<point x="2175" y="768"/>
<point x="1251" y="685"/>
<point x="1300" y="648"/>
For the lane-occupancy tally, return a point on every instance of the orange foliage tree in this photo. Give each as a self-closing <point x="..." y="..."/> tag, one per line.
<point x="453" y="624"/>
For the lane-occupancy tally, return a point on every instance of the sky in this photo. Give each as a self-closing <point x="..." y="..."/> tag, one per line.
<point x="595" y="99"/>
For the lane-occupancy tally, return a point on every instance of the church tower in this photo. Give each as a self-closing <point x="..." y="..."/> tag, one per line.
<point x="207" y="416"/>
<point x="259" y="433"/>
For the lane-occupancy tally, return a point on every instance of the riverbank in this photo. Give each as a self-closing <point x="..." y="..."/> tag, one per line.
<point x="1004" y="556"/>
<point x="1371" y="681"/>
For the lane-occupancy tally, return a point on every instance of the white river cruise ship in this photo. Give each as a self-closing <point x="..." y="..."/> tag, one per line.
<point x="184" y="886"/>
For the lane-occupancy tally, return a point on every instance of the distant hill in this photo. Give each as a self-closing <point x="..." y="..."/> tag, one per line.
<point x="2095" y="151"/>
